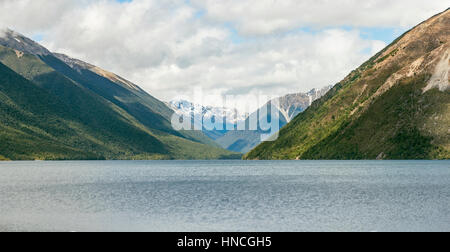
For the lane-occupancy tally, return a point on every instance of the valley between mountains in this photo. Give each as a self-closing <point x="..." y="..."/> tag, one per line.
<point x="394" y="106"/>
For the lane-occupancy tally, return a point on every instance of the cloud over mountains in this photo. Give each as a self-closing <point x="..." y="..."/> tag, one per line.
<point x="227" y="46"/>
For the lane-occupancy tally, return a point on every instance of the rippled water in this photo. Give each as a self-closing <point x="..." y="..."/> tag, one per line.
<point x="225" y="196"/>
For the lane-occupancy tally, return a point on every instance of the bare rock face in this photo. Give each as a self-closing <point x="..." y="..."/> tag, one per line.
<point x="440" y="78"/>
<point x="293" y="104"/>
<point x="73" y="63"/>
<point x="80" y="65"/>
<point x="12" y="39"/>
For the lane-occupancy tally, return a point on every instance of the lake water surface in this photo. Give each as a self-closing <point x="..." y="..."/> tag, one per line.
<point x="225" y="196"/>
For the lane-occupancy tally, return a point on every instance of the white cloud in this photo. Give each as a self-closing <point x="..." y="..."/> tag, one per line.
<point x="31" y="16"/>
<point x="166" y="47"/>
<point x="2" y="32"/>
<point x="279" y="65"/>
<point x="267" y="16"/>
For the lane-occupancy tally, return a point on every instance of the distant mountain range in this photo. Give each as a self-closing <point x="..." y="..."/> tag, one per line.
<point x="243" y="141"/>
<point x="56" y="107"/>
<point x="197" y="113"/>
<point x="394" y="106"/>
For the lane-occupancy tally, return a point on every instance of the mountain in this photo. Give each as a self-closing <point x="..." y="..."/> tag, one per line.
<point x="395" y="106"/>
<point x="228" y="115"/>
<point x="243" y="141"/>
<point x="293" y="104"/>
<point x="289" y="106"/>
<point x="200" y="114"/>
<point x="56" y="107"/>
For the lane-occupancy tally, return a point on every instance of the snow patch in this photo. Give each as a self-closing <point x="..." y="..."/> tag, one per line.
<point x="229" y="115"/>
<point x="440" y="77"/>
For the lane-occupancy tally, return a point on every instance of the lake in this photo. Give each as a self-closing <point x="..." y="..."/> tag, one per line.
<point x="225" y="196"/>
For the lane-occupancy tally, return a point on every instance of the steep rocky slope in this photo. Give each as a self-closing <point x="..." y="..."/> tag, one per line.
<point x="395" y="106"/>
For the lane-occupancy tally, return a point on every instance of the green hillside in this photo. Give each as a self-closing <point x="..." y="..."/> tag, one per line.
<point x="50" y="114"/>
<point x="395" y="106"/>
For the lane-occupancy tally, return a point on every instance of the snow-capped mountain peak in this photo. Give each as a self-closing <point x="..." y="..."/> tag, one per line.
<point x="230" y="116"/>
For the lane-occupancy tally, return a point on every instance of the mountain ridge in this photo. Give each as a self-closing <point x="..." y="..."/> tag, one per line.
<point x="383" y="109"/>
<point x="105" y="117"/>
<point x="243" y="141"/>
<point x="288" y="107"/>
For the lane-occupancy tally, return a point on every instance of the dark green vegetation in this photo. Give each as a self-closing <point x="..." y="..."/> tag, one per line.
<point x="382" y="110"/>
<point x="52" y="111"/>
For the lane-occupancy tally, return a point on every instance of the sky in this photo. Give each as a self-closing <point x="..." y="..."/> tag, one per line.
<point x="227" y="47"/>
